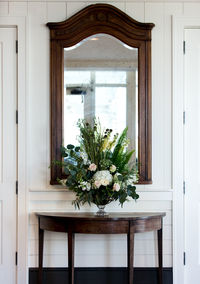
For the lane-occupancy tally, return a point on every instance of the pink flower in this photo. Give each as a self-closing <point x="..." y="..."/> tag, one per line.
<point x="92" y="167"/>
<point x="97" y="183"/>
<point x="116" y="186"/>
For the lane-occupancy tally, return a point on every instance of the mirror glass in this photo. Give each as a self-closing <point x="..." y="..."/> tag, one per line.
<point x="101" y="80"/>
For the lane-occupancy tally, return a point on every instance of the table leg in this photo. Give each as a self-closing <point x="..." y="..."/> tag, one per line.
<point x="160" y="257"/>
<point x="71" y="257"/>
<point x="130" y="253"/>
<point x="41" y="245"/>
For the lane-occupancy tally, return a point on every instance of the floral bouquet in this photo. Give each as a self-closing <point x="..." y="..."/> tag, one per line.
<point x="100" y="169"/>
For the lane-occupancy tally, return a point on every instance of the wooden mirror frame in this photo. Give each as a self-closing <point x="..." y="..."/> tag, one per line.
<point x="106" y="19"/>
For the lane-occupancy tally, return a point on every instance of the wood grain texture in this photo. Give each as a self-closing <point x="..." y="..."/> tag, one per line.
<point x="40" y="260"/>
<point x="86" y="223"/>
<point x="106" y="19"/>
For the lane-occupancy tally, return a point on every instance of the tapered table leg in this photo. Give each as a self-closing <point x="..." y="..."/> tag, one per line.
<point x="71" y="257"/>
<point x="130" y="252"/>
<point x="160" y="257"/>
<point x="40" y="260"/>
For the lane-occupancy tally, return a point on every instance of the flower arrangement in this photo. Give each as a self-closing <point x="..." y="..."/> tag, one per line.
<point x="99" y="170"/>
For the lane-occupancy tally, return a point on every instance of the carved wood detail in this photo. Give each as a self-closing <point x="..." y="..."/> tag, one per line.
<point x="95" y="19"/>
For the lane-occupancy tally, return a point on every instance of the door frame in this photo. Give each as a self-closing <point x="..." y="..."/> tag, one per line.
<point x="179" y="24"/>
<point x="22" y="211"/>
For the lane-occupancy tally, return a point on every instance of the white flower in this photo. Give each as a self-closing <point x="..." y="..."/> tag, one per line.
<point x="132" y="179"/>
<point x="84" y="185"/>
<point x="88" y="186"/>
<point x="92" y="167"/>
<point x="63" y="182"/>
<point x="135" y="178"/>
<point x="102" y="178"/>
<point x="84" y="156"/>
<point x="116" y="186"/>
<point x="113" y="168"/>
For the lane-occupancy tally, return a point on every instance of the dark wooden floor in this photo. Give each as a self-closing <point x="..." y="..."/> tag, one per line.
<point x="100" y="276"/>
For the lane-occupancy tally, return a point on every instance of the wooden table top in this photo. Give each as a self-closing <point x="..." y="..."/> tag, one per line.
<point x="112" y="216"/>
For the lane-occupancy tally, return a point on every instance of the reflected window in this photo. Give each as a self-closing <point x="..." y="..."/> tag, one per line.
<point x="101" y="80"/>
<point x="100" y="94"/>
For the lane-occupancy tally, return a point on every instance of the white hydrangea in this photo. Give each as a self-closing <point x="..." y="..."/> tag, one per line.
<point x="102" y="178"/>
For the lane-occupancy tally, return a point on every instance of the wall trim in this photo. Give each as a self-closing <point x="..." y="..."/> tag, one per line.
<point x="99" y="275"/>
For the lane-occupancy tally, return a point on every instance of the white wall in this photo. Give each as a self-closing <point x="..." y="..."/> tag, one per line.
<point x="96" y="250"/>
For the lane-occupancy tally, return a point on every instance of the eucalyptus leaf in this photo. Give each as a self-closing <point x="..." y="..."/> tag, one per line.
<point x="120" y="177"/>
<point x="70" y="146"/>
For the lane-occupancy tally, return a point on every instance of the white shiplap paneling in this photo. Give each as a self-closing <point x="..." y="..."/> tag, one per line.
<point x="154" y="12"/>
<point x="191" y="9"/>
<point x="18" y="8"/>
<point x="56" y="11"/>
<point x="136" y="10"/>
<point x="38" y="94"/>
<point x="100" y="261"/>
<point x="74" y="7"/>
<point x="38" y="133"/>
<point x="159" y="197"/>
<point x="3" y="8"/>
<point x="148" y="202"/>
<point x="169" y="10"/>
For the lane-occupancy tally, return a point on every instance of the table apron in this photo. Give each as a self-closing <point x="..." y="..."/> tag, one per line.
<point x="99" y="227"/>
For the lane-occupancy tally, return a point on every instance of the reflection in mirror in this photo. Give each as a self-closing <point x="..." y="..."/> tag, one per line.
<point x="101" y="80"/>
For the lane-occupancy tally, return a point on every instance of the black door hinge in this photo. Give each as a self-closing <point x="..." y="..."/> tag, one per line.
<point x="16" y="46"/>
<point x="184" y="47"/>
<point x="16" y="116"/>
<point x="16" y="258"/>
<point x="16" y="187"/>
<point x="184" y="258"/>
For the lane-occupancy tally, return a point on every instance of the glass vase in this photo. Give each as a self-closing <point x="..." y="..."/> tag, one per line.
<point x="101" y="212"/>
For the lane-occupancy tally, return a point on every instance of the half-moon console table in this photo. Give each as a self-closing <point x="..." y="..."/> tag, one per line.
<point x="88" y="223"/>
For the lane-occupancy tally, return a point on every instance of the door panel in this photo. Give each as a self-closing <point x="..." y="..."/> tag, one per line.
<point x="8" y="166"/>
<point x="192" y="155"/>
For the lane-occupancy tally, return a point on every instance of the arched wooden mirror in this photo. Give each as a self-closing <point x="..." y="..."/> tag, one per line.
<point x="101" y="66"/>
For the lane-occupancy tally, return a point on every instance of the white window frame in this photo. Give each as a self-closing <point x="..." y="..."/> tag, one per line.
<point x="129" y="86"/>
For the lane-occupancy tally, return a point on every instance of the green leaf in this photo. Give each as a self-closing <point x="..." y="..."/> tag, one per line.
<point x="123" y="197"/>
<point x="63" y="152"/>
<point x="70" y="146"/>
<point x="120" y="177"/>
<point x="66" y="170"/>
<point x="73" y="173"/>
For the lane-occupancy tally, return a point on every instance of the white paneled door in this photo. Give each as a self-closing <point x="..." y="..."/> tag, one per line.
<point x="192" y="155"/>
<point x="8" y="161"/>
